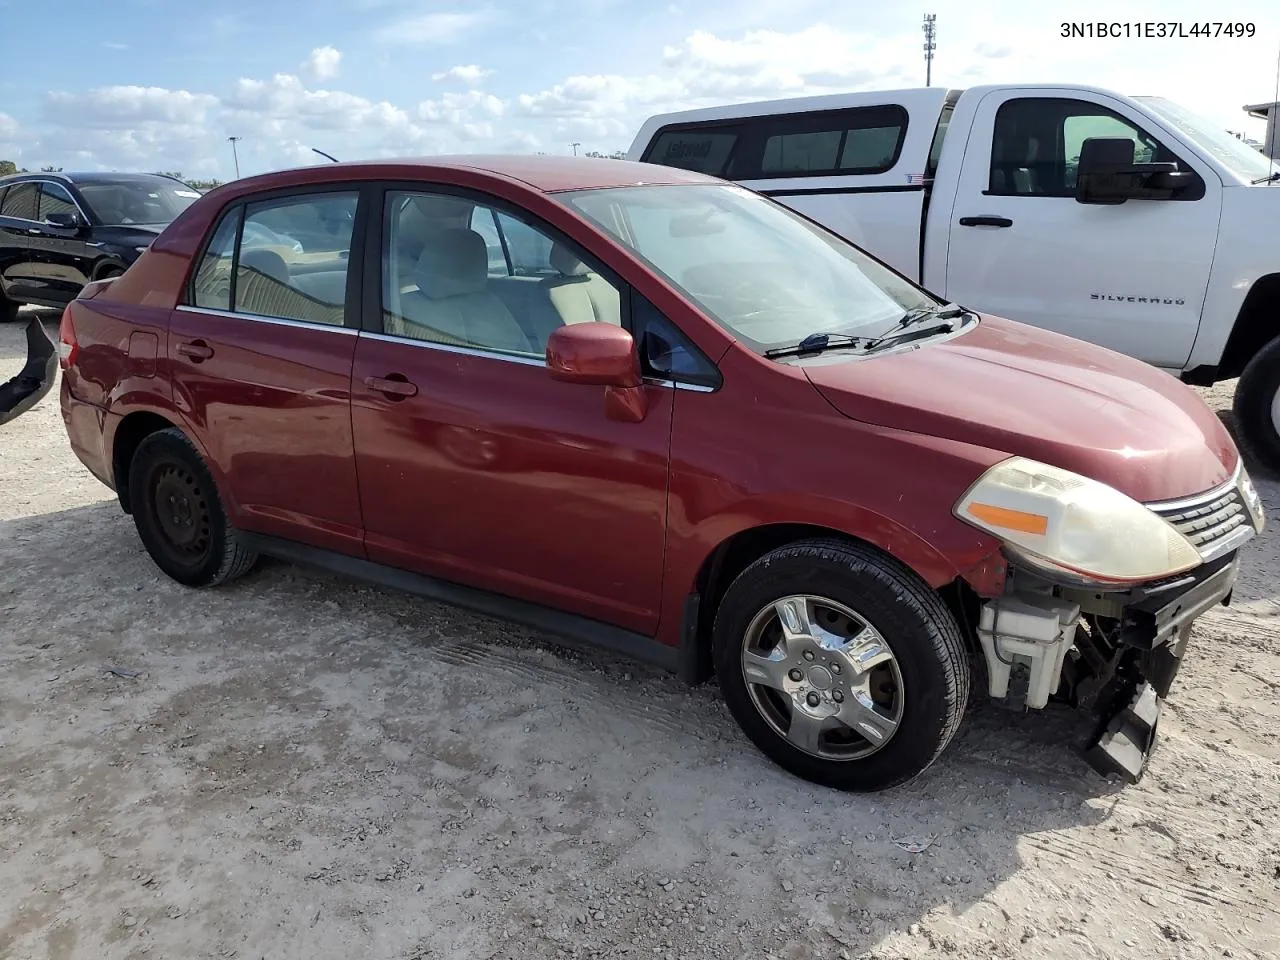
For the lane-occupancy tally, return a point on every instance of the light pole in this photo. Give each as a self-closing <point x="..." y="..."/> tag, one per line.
<point x="929" y="46"/>
<point x="323" y="154"/>
<point x="575" y="146"/>
<point x="235" y="156"/>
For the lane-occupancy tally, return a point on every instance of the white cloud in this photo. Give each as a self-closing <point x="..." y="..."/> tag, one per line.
<point x="442" y="28"/>
<point x="470" y="74"/>
<point x="322" y="63"/>
<point x="283" y="116"/>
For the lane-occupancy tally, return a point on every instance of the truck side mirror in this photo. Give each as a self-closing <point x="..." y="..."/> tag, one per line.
<point x="1107" y="174"/>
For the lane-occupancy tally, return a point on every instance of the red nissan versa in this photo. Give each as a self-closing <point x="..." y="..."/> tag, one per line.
<point x="655" y="412"/>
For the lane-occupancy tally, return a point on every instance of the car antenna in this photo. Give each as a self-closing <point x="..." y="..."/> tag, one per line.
<point x="323" y="154"/>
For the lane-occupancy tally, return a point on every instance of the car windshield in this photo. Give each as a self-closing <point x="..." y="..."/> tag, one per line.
<point x="119" y="203"/>
<point x="1241" y="159"/>
<point x="768" y="276"/>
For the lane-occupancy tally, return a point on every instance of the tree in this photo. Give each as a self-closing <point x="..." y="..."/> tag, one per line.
<point x="50" y="169"/>
<point x="615" y="155"/>
<point x="8" y="168"/>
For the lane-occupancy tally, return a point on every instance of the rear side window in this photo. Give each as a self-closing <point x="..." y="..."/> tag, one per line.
<point x="859" y="140"/>
<point x="284" y="259"/>
<point x="20" y="202"/>
<point x="700" y="149"/>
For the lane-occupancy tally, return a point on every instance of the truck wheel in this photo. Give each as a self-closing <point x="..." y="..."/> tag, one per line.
<point x="178" y="513"/>
<point x="841" y="665"/>
<point x="1257" y="407"/>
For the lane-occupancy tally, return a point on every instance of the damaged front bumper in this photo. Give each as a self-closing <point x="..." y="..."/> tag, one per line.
<point x="1113" y="653"/>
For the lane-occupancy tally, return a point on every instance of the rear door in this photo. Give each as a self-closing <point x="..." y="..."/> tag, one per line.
<point x="20" y="267"/>
<point x="1130" y="276"/>
<point x="261" y="353"/>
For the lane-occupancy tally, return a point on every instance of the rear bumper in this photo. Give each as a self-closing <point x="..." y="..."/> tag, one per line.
<point x="86" y="432"/>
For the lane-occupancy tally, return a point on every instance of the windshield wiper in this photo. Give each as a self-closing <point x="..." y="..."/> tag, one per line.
<point x="1269" y="178"/>
<point x="816" y="343"/>
<point x="951" y="311"/>
<point x="881" y="343"/>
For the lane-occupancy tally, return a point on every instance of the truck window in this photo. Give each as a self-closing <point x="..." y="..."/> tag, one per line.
<point x="862" y="140"/>
<point x="704" y="150"/>
<point x="1037" y="140"/>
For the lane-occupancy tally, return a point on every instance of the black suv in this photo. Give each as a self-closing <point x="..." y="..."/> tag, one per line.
<point x="58" y="231"/>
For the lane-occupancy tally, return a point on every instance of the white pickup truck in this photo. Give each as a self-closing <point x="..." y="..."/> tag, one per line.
<point x="1125" y="221"/>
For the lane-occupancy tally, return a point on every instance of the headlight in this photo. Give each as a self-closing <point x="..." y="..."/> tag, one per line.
<point x="1065" y="521"/>
<point x="1252" y="502"/>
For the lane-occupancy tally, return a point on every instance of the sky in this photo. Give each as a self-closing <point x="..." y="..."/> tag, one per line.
<point x="154" y="85"/>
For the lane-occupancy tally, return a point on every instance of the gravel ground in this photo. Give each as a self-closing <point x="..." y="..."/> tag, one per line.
<point x="299" y="766"/>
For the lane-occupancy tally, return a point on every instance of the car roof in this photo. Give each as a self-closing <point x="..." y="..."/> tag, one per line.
<point x="90" y="176"/>
<point x="543" y="173"/>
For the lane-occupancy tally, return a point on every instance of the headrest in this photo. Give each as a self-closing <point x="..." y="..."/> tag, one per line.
<point x="439" y="208"/>
<point x="452" y="262"/>
<point x="266" y="262"/>
<point x="565" y="263"/>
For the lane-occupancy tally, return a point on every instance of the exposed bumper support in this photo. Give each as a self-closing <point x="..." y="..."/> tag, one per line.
<point x="1114" y="654"/>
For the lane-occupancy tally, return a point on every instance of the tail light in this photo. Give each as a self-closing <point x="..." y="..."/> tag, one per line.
<point x="67" y="346"/>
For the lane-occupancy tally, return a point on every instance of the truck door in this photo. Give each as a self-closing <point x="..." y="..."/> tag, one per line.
<point x="1129" y="276"/>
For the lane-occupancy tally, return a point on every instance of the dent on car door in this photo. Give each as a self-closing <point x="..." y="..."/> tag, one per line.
<point x="475" y="465"/>
<point x="261" y="353"/>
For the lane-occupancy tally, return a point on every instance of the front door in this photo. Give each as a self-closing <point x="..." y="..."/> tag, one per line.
<point x="474" y="465"/>
<point x="66" y="250"/>
<point x="261" y="353"/>
<point x="1130" y="276"/>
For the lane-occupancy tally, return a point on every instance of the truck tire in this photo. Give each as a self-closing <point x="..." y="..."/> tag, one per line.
<point x="841" y="665"/>
<point x="1257" y="407"/>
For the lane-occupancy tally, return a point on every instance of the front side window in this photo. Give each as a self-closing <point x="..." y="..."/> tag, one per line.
<point x="54" y="198"/>
<point x="140" y="200"/>
<point x="446" y="280"/>
<point x="285" y="259"/>
<point x="1037" y="142"/>
<point x="767" y="275"/>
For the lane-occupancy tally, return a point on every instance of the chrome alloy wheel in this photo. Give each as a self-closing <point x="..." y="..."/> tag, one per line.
<point x="822" y="677"/>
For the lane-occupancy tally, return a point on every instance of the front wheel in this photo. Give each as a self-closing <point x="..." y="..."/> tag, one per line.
<point x="8" y="309"/>
<point x="179" y="515"/>
<point x="1256" y="406"/>
<point x="841" y="665"/>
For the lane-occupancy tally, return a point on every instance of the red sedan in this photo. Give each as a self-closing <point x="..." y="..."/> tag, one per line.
<point x="652" y="411"/>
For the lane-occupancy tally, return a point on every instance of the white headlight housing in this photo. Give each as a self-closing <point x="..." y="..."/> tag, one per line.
<point x="1067" y="522"/>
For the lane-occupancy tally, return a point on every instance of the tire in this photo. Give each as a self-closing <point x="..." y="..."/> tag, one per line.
<point x="195" y="546"/>
<point x="1256" y="407"/>
<point x="926" y="683"/>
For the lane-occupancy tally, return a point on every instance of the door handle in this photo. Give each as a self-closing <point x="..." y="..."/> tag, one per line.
<point x="393" y="385"/>
<point x="985" y="222"/>
<point x="197" y="350"/>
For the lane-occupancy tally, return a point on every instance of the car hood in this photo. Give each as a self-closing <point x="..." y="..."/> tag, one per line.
<point x="1032" y="393"/>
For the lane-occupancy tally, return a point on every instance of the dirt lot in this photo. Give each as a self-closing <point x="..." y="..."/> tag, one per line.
<point x="305" y="767"/>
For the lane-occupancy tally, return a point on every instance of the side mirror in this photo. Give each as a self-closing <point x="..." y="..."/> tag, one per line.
<point x="1107" y="174"/>
<point x="65" y="221"/>
<point x="600" y="354"/>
